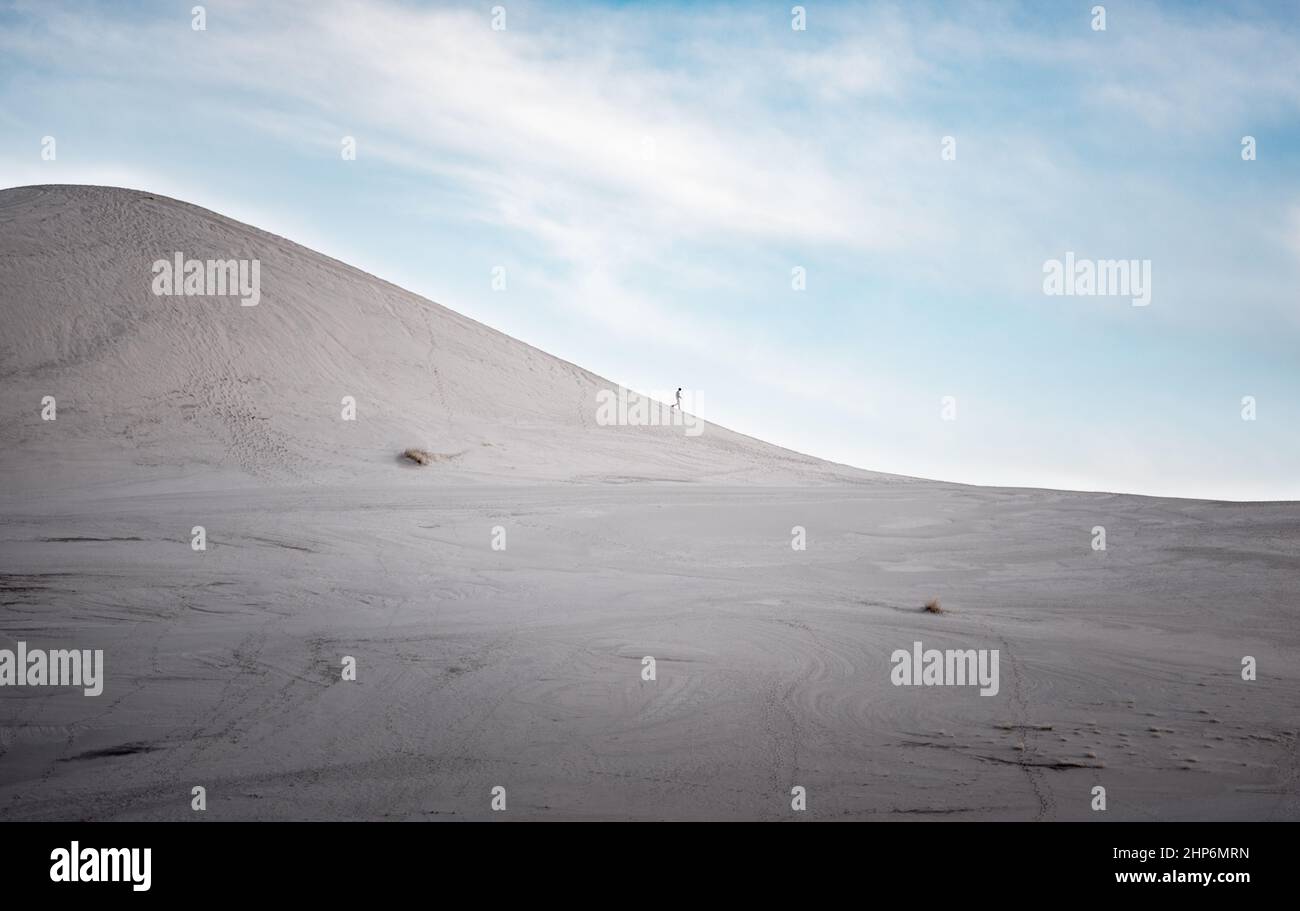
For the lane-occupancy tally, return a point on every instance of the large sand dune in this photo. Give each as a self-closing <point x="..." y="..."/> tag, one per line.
<point x="168" y="384"/>
<point x="522" y="667"/>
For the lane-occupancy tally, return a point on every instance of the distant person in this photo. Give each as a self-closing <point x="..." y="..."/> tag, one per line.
<point x="678" y="406"/>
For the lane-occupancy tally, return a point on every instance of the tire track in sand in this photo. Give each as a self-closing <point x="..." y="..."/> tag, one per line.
<point x="1027" y="730"/>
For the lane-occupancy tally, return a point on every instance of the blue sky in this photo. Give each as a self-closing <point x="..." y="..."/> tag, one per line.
<point x="648" y="175"/>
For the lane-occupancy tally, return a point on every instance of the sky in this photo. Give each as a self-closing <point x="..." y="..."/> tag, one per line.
<point x="648" y="177"/>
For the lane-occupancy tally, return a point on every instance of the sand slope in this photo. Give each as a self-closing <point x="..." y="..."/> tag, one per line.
<point x="152" y="386"/>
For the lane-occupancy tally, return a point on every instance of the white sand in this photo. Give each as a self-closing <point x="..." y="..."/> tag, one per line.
<point x="522" y="668"/>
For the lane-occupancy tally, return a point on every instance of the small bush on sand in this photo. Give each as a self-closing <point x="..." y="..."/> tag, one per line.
<point x="418" y="456"/>
<point x="932" y="606"/>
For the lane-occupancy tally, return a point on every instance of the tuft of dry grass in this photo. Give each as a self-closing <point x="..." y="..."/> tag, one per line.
<point x="933" y="607"/>
<point x="418" y="456"/>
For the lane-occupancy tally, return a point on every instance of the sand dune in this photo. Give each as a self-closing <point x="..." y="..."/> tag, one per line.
<point x="522" y="667"/>
<point x="165" y="384"/>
